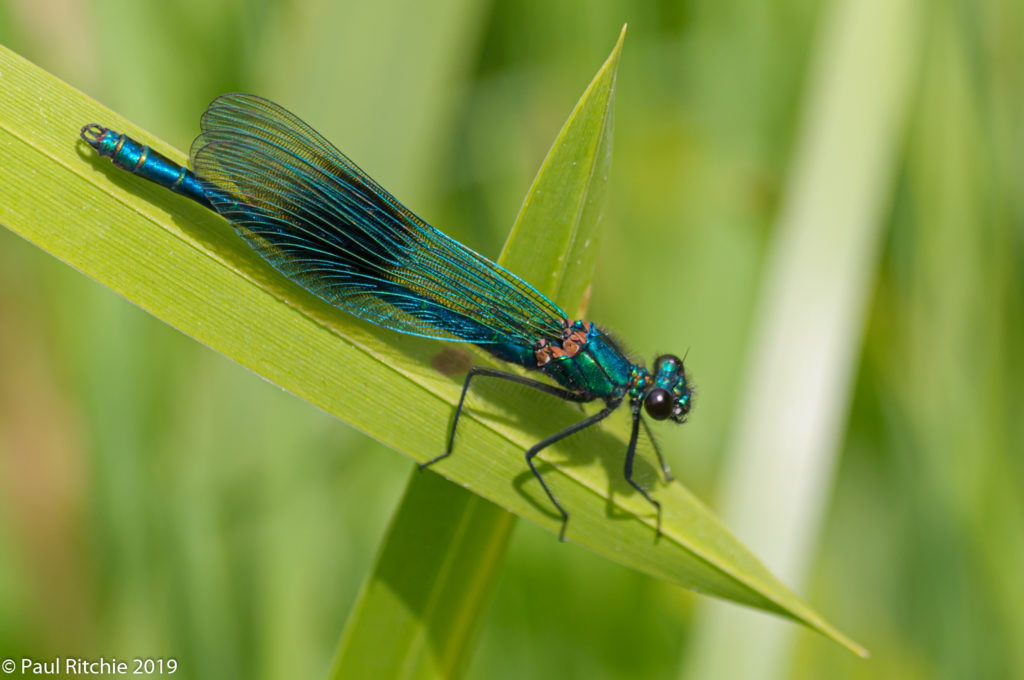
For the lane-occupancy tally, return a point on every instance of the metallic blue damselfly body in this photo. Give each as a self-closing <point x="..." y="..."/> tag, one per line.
<point x="322" y="222"/>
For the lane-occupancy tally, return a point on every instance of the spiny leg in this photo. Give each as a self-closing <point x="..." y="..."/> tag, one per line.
<point x="657" y="451"/>
<point x="504" y="375"/>
<point x="628" y="472"/>
<point x="548" y="441"/>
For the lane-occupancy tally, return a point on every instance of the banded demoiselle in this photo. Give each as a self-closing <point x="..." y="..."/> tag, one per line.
<point x="322" y="222"/>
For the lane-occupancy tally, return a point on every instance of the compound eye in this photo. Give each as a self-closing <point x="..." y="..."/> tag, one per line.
<point x="658" y="403"/>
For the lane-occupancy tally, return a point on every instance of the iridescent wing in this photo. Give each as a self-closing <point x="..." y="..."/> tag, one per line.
<point x="321" y="221"/>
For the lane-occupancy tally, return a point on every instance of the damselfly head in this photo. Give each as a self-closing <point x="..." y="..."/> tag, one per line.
<point x="670" y="395"/>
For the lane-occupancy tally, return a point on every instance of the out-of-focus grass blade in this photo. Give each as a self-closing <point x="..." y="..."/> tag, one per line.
<point x="184" y="265"/>
<point x="418" y="613"/>
<point x="812" y="313"/>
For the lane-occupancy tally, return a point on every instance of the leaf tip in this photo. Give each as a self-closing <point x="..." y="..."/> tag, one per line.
<point x="621" y="40"/>
<point x="843" y="640"/>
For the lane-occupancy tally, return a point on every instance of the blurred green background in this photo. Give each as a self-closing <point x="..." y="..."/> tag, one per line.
<point x="158" y="500"/>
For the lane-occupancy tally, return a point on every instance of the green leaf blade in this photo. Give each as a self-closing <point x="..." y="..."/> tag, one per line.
<point x="553" y="241"/>
<point x="455" y="539"/>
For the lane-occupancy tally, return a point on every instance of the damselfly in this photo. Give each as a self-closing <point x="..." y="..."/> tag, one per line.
<point x="322" y="222"/>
